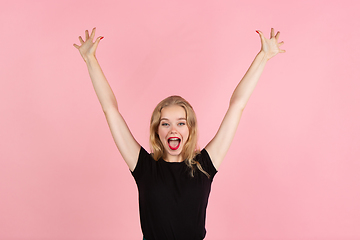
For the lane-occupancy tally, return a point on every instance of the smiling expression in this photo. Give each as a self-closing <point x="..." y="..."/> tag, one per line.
<point x="173" y="132"/>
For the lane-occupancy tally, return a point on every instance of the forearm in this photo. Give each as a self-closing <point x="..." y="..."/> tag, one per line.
<point x="102" y="88"/>
<point x="248" y="83"/>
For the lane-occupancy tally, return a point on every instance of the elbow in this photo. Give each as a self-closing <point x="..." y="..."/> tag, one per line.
<point x="108" y="104"/>
<point x="238" y="104"/>
<point x="109" y="108"/>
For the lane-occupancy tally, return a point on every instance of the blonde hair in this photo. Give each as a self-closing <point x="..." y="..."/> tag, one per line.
<point x="190" y="149"/>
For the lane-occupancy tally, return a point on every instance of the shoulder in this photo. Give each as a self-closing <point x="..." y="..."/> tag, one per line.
<point x="145" y="160"/>
<point x="143" y="153"/>
<point x="206" y="163"/>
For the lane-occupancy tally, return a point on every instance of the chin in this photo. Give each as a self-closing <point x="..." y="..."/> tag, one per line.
<point x="173" y="152"/>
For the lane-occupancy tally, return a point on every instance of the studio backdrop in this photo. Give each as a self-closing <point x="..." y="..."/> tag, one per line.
<point x="292" y="171"/>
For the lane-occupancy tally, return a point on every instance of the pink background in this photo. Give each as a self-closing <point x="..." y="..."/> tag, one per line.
<point x="292" y="171"/>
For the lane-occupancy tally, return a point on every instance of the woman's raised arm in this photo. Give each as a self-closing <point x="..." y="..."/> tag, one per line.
<point x="219" y="145"/>
<point x="125" y="142"/>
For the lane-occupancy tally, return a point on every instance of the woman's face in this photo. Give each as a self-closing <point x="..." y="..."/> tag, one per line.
<point x="173" y="131"/>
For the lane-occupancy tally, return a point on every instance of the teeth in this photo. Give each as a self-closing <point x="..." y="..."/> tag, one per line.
<point x="174" y="139"/>
<point x="174" y="142"/>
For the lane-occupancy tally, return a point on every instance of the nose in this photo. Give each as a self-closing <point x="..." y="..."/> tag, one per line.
<point x="173" y="130"/>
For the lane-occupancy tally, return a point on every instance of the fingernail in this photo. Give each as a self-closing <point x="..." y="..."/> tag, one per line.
<point x="257" y="31"/>
<point x="101" y="38"/>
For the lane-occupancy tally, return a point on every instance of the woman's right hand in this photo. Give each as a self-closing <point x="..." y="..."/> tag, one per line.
<point x="88" y="47"/>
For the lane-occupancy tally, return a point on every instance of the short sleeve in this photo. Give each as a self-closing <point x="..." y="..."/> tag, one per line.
<point x="206" y="163"/>
<point x="143" y="164"/>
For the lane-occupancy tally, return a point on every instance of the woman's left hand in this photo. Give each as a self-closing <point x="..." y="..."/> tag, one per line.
<point x="271" y="46"/>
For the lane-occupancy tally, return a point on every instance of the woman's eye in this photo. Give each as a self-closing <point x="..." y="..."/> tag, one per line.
<point x="165" y="124"/>
<point x="181" y="124"/>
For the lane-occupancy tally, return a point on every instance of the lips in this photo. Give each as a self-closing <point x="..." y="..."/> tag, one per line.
<point x="174" y="143"/>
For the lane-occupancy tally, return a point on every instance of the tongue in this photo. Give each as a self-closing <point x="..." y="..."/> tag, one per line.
<point x="174" y="143"/>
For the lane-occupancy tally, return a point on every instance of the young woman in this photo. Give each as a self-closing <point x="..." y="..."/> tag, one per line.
<point x="174" y="181"/>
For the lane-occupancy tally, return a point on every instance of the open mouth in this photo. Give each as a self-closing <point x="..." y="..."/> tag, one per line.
<point x="174" y="143"/>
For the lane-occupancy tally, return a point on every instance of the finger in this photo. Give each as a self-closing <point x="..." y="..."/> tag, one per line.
<point x="272" y="33"/>
<point x="261" y="35"/>
<point x="87" y="34"/>
<point x="93" y="33"/>
<point x="77" y="46"/>
<point x="282" y="51"/>
<point x="97" y="41"/>
<point x="81" y="40"/>
<point x="281" y="43"/>
<point x="277" y="36"/>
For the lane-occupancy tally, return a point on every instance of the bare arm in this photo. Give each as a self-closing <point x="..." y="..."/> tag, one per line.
<point x="123" y="138"/>
<point x="219" y="145"/>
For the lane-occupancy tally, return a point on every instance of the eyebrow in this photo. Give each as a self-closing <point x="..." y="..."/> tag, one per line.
<point x="168" y="119"/>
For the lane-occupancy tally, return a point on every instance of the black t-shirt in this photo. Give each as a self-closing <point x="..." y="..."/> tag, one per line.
<point x="172" y="203"/>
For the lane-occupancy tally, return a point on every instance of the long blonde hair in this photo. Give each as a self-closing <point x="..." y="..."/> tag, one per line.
<point x="190" y="149"/>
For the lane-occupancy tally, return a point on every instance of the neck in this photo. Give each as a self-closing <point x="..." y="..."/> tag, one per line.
<point x="175" y="158"/>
